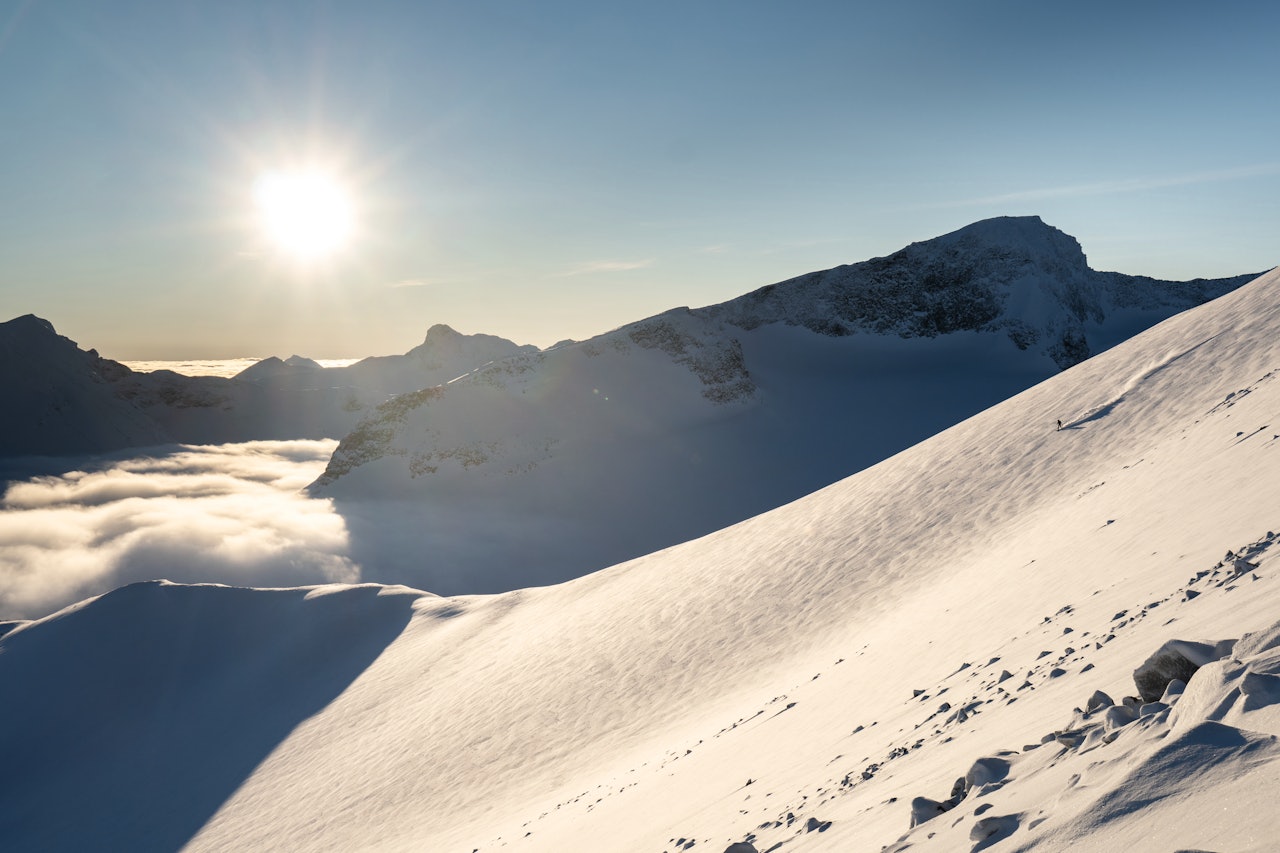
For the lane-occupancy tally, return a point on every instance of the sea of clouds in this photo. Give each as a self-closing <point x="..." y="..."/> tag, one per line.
<point x="231" y="514"/>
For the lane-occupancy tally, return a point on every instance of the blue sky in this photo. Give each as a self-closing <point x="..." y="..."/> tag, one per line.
<point x="555" y="169"/>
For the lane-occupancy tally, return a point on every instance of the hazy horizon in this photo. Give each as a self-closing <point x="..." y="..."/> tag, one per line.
<point x="215" y="180"/>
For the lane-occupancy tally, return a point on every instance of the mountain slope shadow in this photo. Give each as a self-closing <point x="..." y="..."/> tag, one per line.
<point x="128" y="721"/>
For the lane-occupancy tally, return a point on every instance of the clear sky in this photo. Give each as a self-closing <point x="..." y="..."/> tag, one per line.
<point x="555" y="169"/>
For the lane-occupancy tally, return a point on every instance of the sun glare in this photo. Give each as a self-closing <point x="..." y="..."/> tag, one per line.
<point x="306" y="215"/>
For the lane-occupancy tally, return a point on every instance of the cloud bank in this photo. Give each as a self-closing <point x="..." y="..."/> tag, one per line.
<point x="230" y="514"/>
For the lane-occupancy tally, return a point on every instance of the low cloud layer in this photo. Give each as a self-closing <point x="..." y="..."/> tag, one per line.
<point x="230" y="514"/>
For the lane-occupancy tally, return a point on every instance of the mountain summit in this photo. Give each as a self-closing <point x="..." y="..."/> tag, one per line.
<point x="1014" y="275"/>
<point x="691" y="420"/>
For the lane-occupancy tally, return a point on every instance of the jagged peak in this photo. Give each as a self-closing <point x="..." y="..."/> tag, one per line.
<point x="445" y="338"/>
<point x="439" y="332"/>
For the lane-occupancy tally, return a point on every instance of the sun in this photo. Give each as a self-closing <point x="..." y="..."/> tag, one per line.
<point x="306" y="215"/>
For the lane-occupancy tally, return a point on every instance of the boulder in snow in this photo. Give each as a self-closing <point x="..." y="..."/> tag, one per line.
<point x="1176" y="659"/>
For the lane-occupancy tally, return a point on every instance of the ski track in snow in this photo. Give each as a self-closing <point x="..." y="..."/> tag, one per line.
<point x="1133" y="384"/>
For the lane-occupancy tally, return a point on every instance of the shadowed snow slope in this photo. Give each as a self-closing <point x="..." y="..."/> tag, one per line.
<point x="171" y="695"/>
<point x="793" y="682"/>
<point x="686" y="422"/>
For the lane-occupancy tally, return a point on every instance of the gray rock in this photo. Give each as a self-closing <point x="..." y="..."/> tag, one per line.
<point x="1176" y="659"/>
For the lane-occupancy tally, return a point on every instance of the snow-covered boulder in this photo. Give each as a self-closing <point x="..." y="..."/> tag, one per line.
<point x="1176" y="660"/>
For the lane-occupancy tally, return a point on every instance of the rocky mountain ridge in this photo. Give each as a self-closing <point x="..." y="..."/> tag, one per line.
<point x="1011" y="275"/>
<point x="694" y="419"/>
<point x="65" y="400"/>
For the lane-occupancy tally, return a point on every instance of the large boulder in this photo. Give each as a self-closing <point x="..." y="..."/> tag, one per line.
<point x="1176" y="660"/>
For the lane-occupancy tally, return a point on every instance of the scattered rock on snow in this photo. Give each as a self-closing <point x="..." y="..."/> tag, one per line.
<point x="815" y="825"/>
<point x="1098" y="701"/>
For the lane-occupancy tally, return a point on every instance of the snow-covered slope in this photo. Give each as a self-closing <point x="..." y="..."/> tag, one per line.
<point x="792" y="683"/>
<point x="62" y="400"/>
<point x="564" y="461"/>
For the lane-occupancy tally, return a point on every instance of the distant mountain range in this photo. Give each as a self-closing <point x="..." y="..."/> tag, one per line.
<point x="1004" y="638"/>
<point x="1013" y="278"/>
<point x="63" y="400"/>
<point x="686" y="422"/>
<point x="588" y="453"/>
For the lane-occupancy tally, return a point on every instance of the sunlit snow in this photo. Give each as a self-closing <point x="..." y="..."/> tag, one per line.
<point x="806" y="680"/>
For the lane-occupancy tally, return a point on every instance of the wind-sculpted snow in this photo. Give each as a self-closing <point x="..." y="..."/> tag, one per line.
<point x="797" y="681"/>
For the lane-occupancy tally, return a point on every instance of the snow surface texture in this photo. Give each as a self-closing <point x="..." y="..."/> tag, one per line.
<point x="792" y="683"/>
<point x="588" y="454"/>
<point x="61" y="400"/>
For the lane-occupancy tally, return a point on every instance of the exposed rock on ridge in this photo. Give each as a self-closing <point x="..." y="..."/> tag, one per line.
<point x="1014" y="275"/>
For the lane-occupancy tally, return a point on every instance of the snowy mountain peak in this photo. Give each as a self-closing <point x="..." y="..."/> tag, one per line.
<point x="1015" y="276"/>
<point x="1024" y="236"/>
<point x="439" y="332"/>
<point x="445" y="344"/>
<point x="727" y="411"/>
